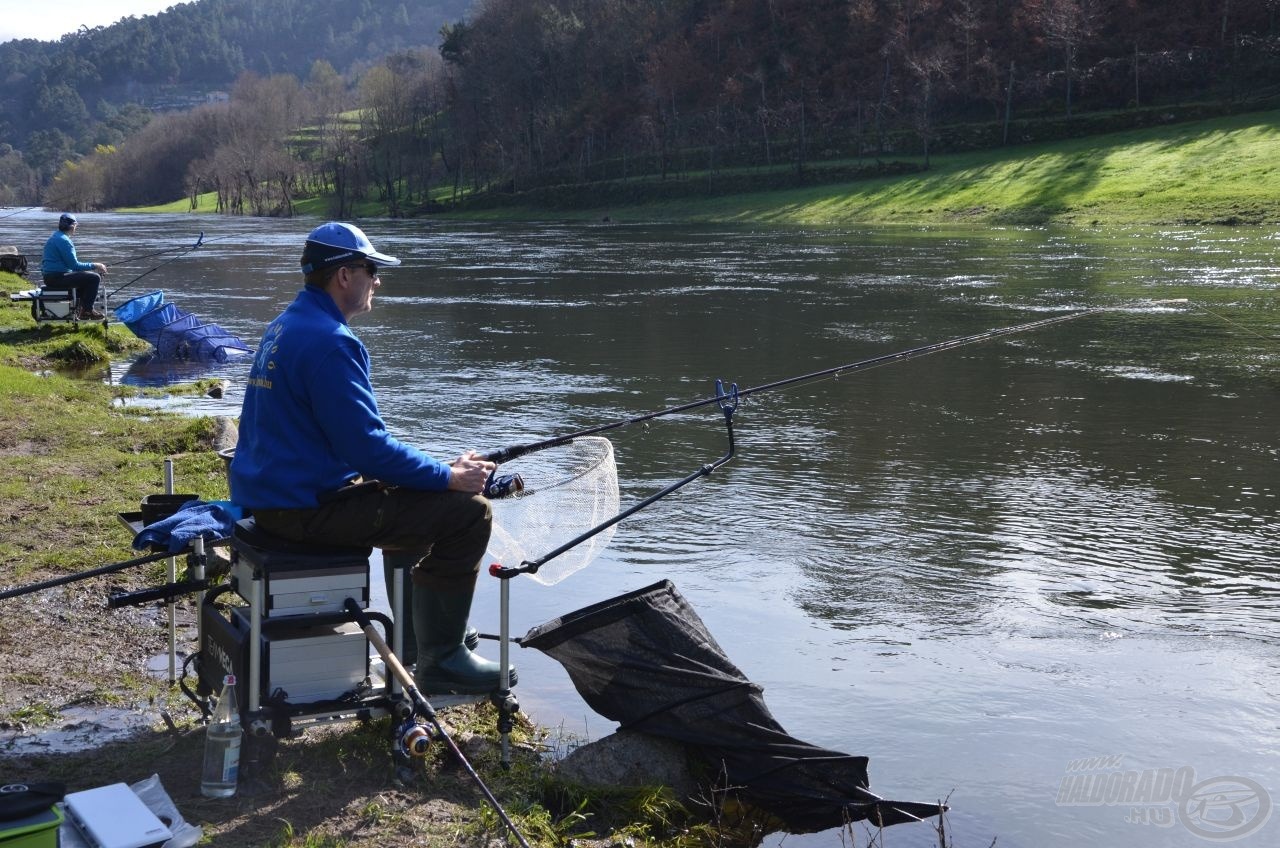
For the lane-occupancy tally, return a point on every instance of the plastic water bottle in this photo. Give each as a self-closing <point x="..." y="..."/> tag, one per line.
<point x="222" y="745"/>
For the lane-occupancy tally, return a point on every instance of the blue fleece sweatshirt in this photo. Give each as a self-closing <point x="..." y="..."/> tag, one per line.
<point x="60" y="256"/>
<point x="310" y="422"/>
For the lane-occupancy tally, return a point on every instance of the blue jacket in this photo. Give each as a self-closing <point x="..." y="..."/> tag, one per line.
<point x="310" y="422"/>
<point x="60" y="256"/>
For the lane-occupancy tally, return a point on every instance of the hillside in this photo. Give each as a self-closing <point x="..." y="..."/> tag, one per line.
<point x="64" y="97"/>
<point x="524" y="96"/>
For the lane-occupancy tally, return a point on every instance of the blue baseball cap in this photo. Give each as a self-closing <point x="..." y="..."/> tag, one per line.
<point x="335" y="243"/>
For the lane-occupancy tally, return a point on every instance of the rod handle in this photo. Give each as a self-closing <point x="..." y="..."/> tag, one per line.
<point x="379" y="644"/>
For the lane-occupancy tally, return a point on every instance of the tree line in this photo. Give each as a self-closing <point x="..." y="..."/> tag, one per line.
<point x="554" y="90"/>
<point x="532" y="93"/>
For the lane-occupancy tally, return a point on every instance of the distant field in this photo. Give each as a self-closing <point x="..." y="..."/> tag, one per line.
<point x="1224" y="171"/>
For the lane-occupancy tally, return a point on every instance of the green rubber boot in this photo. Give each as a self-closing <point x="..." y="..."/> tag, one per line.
<point x="445" y="664"/>
<point x="391" y="560"/>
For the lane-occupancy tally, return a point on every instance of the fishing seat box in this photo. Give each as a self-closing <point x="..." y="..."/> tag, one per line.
<point x="297" y="579"/>
<point x="52" y="305"/>
<point x="303" y="660"/>
<point x="36" y="831"/>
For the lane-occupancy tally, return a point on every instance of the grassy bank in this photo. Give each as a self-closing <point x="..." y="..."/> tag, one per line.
<point x="1220" y="171"/>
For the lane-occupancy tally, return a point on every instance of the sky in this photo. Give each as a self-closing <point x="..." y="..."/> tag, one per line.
<point x="50" y="21"/>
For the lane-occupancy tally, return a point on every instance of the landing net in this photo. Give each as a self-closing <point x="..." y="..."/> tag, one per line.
<point x="567" y="490"/>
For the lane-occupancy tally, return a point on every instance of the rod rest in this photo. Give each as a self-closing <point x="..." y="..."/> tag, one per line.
<point x="249" y="533"/>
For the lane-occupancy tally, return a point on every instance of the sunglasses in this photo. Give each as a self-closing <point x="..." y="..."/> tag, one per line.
<point x="370" y="268"/>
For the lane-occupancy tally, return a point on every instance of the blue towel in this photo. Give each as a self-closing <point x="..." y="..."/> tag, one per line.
<point x="212" y="521"/>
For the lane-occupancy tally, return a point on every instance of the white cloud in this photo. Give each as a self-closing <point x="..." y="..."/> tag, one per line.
<point x="49" y="22"/>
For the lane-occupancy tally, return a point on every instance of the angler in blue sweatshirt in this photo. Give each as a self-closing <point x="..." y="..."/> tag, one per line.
<point x="62" y="270"/>
<point x="315" y="463"/>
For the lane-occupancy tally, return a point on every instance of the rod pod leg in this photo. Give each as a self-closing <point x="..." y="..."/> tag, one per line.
<point x="504" y="699"/>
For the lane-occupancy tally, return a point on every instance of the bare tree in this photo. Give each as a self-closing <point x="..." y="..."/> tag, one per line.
<point x="967" y="17"/>
<point x="1067" y="25"/>
<point x="253" y="165"/>
<point x="931" y="70"/>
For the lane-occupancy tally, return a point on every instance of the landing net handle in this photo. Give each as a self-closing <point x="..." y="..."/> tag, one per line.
<point x="728" y="404"/>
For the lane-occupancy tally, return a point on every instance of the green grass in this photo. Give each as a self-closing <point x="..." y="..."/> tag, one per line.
<point x="207" y="204"/>
<point x="67" y="452"/>
<point x="1218" y="171"/>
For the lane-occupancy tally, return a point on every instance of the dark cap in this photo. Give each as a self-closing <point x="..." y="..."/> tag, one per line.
<point x="334" y="243"/>
<point x="67" y="221"/>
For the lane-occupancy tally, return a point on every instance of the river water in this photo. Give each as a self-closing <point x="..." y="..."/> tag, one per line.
<point x="1008" y="573"/>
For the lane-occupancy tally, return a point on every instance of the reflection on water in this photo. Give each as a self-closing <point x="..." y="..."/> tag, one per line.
<point x="153" y="371"/>
<point x="974" y="567"/>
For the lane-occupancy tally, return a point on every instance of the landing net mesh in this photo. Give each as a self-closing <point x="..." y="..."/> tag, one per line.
<point x="568" y="490"/>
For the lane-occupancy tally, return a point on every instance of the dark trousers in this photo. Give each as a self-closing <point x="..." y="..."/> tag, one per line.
<point x="83" y="283"/>
<point x="450" y="530"/>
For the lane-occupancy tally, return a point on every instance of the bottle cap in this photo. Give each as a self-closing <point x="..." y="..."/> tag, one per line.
<point x="229" y="680"/>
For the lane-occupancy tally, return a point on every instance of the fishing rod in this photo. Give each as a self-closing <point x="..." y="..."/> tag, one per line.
<point x="17" y="212"/>
<point x="428" y="712"/>
<point x="185" y="251"/>
<point x="515" y="451"/>
<point x="82" y="575"/>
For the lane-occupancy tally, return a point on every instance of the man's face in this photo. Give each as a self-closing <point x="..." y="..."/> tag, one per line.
<point x="357" y="288"/>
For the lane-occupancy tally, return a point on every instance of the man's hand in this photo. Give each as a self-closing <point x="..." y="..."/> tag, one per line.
<point x="469" y="473"/>
<point x="100" y="268"/>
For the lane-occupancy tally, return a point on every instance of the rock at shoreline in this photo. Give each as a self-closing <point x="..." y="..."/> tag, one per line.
<point x="627" y="759"/>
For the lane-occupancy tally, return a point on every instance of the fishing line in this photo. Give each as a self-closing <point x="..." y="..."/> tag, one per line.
<point x="1236" y="324"/>
<point x="511" y="452"/>
<point x="185" y="251"/>
<point x="17" y="212"/>
<point x="146" y="256"/>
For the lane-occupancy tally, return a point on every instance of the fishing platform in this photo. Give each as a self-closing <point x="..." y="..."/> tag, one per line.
<point x="282" y="622"/>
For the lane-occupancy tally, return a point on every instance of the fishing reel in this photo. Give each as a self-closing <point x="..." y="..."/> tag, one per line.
<point x="413" y="739"/>
<point x="412" y="743"/>
<point x="503" y="486"/>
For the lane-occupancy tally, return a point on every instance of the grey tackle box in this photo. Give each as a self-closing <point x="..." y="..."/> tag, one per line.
<point x="305" y="663"/>
<point x="297" y="579"/>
